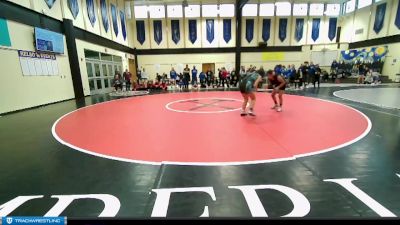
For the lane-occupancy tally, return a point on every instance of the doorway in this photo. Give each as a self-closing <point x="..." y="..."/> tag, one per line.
<point x="206" y="66"/>
<point x="132" y="69"/>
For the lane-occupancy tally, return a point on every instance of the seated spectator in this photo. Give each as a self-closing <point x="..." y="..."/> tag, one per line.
<point x="117" y="83"/>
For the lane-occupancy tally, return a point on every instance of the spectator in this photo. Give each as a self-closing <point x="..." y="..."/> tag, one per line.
<point x="127" y="78"/>
<point x="144" y="76"/>
<point x="194" y="76"/>
<point x="234" y="78"/>
<point x="210" y="77"/>
<point x="117" y="81"/>
<point x="173" y="76"/>
<point x="317" y="75"/>
<point x="186" y="77"/>
<point x="203" y="79"/>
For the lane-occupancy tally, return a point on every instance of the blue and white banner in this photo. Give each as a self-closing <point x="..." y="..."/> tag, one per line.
<point x="73" y="7"/>
<point x="33" y="220"/>
<point x="157" y="28"/>
<point x="282" y="28"/>
<point x="397" y="20"/>
<point x="50" y="3"/>
<point x="90" y="11"/>
<point x="379" y="17"/>
<point x="315" y="28"/>
<point x="249" y="30"/>
<point x="227" y="28"/>
<point x="266" y="29"/>
<point x="140" y="31"/>
<point x="332" y="28"/>
<point x="192" y="31"/>
<point x="210" y="30"/>
<point x="123" y="28"/>
<point x="175" y="31"/>
<point x="104" y="14"/>
<point x="114" y="18"/>
<point x="298" y="33"/>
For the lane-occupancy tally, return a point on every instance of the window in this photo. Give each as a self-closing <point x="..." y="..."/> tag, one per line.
<point x="332" y="10"/>
<point x="350" y="6"/>
<point x="249" y="10"/>
<point x="227" y="10"/>
<point x="157" y="11"/>
<point x="283" y="8"/>
<point x="363" y="3"/>
<point x="316" y="9"/>
<point x="209" y="10"/>
<point x="91" y="54"/>
<point x="192" y="11"/>
<point x="267" y="9"/>
<point x="300" y="9"/>
<point x="140" y="11"/>
<point x="174" y="11"/>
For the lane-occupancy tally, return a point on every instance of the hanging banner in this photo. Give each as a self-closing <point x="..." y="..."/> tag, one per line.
<point x="210" y="30"/>
<point x="332" y="28"/>
<point x="298" y="33"/>
<point x="104" y="14"/>
<point x="114" y="18"/>
<point x="397" y="20"/>
<point x="73" y="7"/>
<point x="128" y="11"/>
<point x="315" y="29"/>
<point x="50" y="3"/>
<point x="227" y="30"/>
<point x="4" y="33"/>
<point x="379" y="17"/>
<point x="90" y="11"/>
<point x="140" y="31"/>
<point x="249" y="29"/>
<point x="157" y="28"/>
<point x="123" y="28"/>
<point x="192" y="31"/>
<point x="282" y="28"/>
<point x="266" y="29"/>
<point x="175" y="31"/>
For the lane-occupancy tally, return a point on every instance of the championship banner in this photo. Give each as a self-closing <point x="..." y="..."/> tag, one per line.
<point x="114" y="18"/>
<point x="282" y="28"/>
<point x="91" y="12"/>
<point x="249" y="29"/>
<point x="227" y="30"/>
<point x="210" y="30"/>
<point x="123" y="28"/>
<point x="38" y="64"/>
<point x="397" y="20"/>
<point x="50" y="3"/>
<point x="175" y="31"/>
<point x="140" y="31"/>
<point x="315" y="29"/>
<point x="157" y="28"/>
<point x="332" y="28"/>
<point x="73" y="7"/>
<point x="266" y="29"/>
<point x="379" y="17"/>
<point x="192" y="31"/>
<point x="298" y="33"/>
<point x="104" y="14"/>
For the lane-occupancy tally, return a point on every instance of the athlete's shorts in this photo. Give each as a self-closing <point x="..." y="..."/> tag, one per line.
<point x="282" y="88"/>
<point x="246" y="87"/>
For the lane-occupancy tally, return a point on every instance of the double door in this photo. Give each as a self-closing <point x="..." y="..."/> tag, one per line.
<point x="101" y="75"/>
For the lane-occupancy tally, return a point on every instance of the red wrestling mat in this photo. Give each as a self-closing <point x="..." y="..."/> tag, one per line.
<point x="205" y="128"/>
